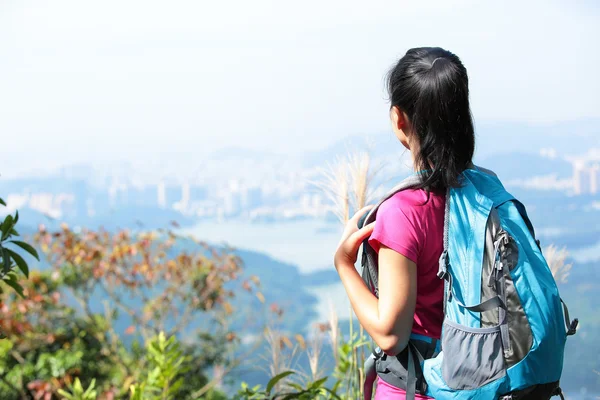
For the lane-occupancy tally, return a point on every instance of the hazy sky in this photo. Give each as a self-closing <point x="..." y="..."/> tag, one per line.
<point x="104" y="80"/>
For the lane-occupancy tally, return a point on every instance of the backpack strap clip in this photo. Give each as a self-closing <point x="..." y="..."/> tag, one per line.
<point x="443" y="265"/>
<point x="571" y="325"/>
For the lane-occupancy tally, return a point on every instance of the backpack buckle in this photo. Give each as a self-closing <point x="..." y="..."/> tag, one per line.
<point x="573" y="327"/>
<point x="443" y="265"/>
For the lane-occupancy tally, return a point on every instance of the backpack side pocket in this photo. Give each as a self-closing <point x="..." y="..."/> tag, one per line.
<point x="473" y="356"/>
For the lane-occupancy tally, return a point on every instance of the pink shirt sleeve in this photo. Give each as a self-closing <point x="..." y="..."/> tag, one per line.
<point x="395" y="229"/>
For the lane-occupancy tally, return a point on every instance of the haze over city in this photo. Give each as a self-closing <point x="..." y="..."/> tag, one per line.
<point x="140" y="81"/>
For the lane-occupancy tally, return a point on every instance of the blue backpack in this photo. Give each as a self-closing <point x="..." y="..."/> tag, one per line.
<point x="505" y="326"/>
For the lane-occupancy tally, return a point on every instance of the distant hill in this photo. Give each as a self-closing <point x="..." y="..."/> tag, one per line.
<point x="522" y="165"/>
<point x="494" y="142"/>
<point x="137" y="217"/>
<point x="568" y="137"/>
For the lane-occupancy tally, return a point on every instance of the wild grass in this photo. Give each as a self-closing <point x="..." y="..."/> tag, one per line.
<point x="335" y="186"/>
<point x="556" y="259"/>
<point x="348" y="183"/>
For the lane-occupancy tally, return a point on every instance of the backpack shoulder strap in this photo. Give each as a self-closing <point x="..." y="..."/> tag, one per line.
<point x="369" y="257"/>
<point x="408" y="183"/>
<point x="484" y="170"/>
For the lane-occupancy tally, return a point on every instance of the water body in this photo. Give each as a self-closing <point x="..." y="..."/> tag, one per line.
<point x="309" y="244"/>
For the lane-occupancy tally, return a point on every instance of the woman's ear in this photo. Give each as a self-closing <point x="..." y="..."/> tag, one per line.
<point x="400" y="126"/>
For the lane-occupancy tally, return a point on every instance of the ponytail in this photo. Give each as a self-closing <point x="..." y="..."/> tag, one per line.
<point x="431" y="86"/>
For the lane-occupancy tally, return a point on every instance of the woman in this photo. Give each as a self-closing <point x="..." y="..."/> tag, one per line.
<point x="430" y="115"/>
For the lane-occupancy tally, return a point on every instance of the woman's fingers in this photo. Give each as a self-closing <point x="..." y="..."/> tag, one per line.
<point x="356" y="217"/>
<point x="352" y="236"/>
<point x="348" y="247"/>
<point x="360" y="235"/>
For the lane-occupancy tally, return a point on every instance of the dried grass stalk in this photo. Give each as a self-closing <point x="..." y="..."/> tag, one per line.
<point x="556" y="259"/>
<point x="336" y="187"/>
<point x="347" y="183"/>
<point x="334" y="332"/>
<point x="313" y="352"/>
<point x="279" y="361"/>
<point x="361" y="174"/>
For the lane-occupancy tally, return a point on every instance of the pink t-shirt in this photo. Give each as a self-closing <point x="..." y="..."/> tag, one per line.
<point x="412" y="223"/>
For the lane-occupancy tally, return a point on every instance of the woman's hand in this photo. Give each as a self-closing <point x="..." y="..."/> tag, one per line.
<point x="352" y="238"/>
<point x="389" y="318"/>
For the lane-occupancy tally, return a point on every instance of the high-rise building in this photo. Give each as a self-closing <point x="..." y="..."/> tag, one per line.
<point x="580" y="178"/>
<point x="251" y="198"/>
<point x="595" y="178"/>
<point x="161" y="193"/>
<point x="185" y="196"/>
<point x="232" y="203"/>
<point x="586" y="179"/>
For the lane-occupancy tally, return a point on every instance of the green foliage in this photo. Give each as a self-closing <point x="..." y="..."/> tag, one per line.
<point x="166" y="370"/>
<point x="11" y="262"/>
<point x="46" y="350"/>
<point x="166" y="364"/>
<point x="347" y="371"/>
<point x="69" y="350"/>
<point x="288" y="391"/>
<point x="57" y="332"/>
<point x="76" y="391"/>
<point x="345" y="382"/>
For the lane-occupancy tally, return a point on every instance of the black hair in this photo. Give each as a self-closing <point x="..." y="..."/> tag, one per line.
<point x="430" y="85"/>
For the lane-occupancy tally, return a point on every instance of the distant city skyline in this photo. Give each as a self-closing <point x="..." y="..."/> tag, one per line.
<point x="285" y="194"/>
<point x="138" y="80"/>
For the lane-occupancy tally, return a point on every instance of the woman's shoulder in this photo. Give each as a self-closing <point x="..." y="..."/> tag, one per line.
<point x="417" y="206"/>
<point x="417" y="199"/>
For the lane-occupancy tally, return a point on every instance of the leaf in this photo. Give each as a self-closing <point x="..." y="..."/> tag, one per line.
<point x="16" y="217"/>
<point x="176" y="385"/>
<point x="2" y="202"/>
<point x="21" y="263"/>
<point x="336" y="386"/>
<point x="90" y="392"/>
<point x="333" y="393"/>
<point x="296" y="386"/>
<point x="5" y="261"/>
<point x="294" y="395"/>
<point x="276" y="379"/>
<point x="6" y="226"/>
<point x="317" y="383"/>
<point x="77" y="386"/>
<point x="12" y="282"/>
<point x="27" y="247"/>
<point x="65" y="394"/>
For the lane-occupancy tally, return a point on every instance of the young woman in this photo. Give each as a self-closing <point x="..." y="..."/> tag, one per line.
<point x="430" y="114"/>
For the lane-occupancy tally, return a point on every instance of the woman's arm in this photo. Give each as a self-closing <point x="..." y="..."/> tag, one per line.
<point x="389" y="319"/>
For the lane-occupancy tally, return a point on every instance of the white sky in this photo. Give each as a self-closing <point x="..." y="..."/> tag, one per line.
<point x="105" y="80"/>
